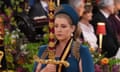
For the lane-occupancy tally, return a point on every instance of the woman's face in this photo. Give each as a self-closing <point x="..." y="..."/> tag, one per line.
<point x="62" y="29"/>
<point x="87" y="16"/>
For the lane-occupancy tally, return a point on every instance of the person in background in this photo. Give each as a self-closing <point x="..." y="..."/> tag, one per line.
<point x="115" y="23"/>
<point x="109" y="43"/>
<point x="38" y="10"/>
<point x="78" y="5"/>
<point x="88" y="34"/>
<point x="44" y="4"/>
<point x="67" y="33"/>
<point x="115" y="20"/>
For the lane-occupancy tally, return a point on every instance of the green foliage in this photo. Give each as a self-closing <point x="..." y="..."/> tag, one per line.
<point x="19" y="51"/>
<point x="10" y="11"/>
<point x="29" y="67"/>
<point x="114" y="61"/>
<point x="32" y="48"/>
<point x="15" y="46"/>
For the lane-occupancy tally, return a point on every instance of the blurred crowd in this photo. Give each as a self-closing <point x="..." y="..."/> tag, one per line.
<point x="94" y="11"/>
<point x="91" y="12"/>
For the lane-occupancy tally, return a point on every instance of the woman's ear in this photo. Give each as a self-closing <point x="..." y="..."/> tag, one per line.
<point x="73" y="28"/>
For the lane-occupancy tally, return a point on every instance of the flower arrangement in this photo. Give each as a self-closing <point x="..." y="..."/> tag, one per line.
<point x="19" y="51"/>
<point x="104" y="64"/>
<point x="108" y="65"/>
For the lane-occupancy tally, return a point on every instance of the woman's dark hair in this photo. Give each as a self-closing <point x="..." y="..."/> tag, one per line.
<point x="88" y="8"/>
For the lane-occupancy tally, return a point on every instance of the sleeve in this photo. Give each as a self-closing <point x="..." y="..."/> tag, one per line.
<point x="87" y="60"/>
<point x="40" y="52"/>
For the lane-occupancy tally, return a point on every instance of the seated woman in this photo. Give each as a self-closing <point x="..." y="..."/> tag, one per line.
<point x="67" y="35"/>
<point x="88" y="34"/>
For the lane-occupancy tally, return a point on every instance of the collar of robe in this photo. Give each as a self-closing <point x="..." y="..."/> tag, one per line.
<point x="65" y="54"/>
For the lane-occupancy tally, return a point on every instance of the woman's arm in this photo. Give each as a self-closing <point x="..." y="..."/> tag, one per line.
<point x="38" y="68"/>
<point x="47" y="68"/>
<point x="80" y="65"/>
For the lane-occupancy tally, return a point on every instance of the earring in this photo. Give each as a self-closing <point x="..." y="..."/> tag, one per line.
<point x="71" y="34"/>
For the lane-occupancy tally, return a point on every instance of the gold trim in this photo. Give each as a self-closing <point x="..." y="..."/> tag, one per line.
<point x="1" y="57"/>
<point x="51" y="44"/>
<point x="51" y="54"/>
<point x="65" y="54"/>
<point x="51" y="25"/>
<point x="51" y="15"/>
<point x="51" y="35"/>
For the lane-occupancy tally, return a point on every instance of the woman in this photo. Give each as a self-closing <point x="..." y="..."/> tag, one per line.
<point x="88" y="34"/>
<point x="67" y="32"/>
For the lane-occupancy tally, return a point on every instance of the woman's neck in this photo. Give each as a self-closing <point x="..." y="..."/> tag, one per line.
<point x="60" y="47"/>
<point x="63" y="43"/>
<point x="84" y="21"/>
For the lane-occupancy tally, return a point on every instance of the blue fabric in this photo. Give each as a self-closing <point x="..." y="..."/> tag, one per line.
<point x="31" y="2"/>
<point x="69" y="10"/>
<point x="87" y="62"/>
<point x="41" y="50"/>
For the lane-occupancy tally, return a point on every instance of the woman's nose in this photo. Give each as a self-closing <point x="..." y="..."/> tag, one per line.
<point x="59" y="29"/>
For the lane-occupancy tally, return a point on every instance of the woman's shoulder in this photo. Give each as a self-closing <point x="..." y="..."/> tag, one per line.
<point x="83" y="46"/>
<point x="42" y="48"/>
<point x="84" y="49"/>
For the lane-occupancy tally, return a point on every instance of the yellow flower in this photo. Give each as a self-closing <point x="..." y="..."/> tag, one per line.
<point x="92" y="49"/>
<point x="104" y="61"/>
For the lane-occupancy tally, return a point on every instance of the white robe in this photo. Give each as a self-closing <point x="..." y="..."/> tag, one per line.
<point x="89" y="35"/>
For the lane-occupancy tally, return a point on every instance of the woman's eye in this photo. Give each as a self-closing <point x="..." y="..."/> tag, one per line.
<point x="56" y="26"/>
<point x="64" y="26"/>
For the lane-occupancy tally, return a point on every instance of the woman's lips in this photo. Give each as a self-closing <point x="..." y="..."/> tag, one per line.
<point x="59" y="34"/>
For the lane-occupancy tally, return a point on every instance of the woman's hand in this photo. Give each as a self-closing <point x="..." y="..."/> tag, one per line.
<point x="49" y="68"/>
